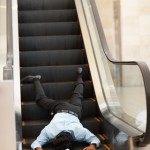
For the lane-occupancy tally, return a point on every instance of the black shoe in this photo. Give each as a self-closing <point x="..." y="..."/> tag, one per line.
<point x="30" y="78"/>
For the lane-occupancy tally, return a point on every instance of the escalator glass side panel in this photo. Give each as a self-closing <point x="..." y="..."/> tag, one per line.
<point x="125" y="95"/>
<point x="122" y="83"/>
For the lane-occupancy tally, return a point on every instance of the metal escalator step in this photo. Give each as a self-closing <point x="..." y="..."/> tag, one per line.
<point x="52" y="28"/>
<point x="50" y="42"/>
<point x="56" y="73"/>
<point x="52" y="57"/>
<point x="40" y="114"/>
<point x="92" y="124"/>
<point x="31" y="129"/>
<point x="107" y="147"/>
<point x="64" y="15"/>
<point x="89" y="108"/>
<point x="56" y="90"/>
<point x="45" y="4"/>
<point x="32" y="112"/>
<point x="103" y="138"/>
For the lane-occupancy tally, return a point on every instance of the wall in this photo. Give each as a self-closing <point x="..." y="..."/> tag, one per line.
<point x="106" y="11"/>
<point x="135" y="36"/>
<point x="7" y="116"/>
<point x="135" y="27"/>
<point x="2" y="36"/>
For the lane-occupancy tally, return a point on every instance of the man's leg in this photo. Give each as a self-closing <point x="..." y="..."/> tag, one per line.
<point x="40" y="97"/>
<point x="78" y="91"/>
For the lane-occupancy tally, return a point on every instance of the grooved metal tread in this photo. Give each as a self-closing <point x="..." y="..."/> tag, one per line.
<point x="63" y="15"/>
<point x="56" y="90"/>
<point x="49" y="28"/>
<point x="45" y="4"/>
<point x="52" y="57"/>
<point x="56" y="73"/>
<point x="50" y="42"/>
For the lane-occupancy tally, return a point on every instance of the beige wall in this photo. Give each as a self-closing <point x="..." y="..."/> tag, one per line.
<point x="135" y="27"/>
<point x="2" y="35"/>
<point x="2" y="30"/>
<point x="106" y="12"/>
<point x="134" y="32"/>
<point x="135" y="36"/>
<point x="7" y="116"/>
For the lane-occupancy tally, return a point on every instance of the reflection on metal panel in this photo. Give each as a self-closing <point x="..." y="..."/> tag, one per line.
<point x="16" y="74"/>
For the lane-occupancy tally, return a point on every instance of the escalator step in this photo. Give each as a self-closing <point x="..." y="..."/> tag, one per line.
<point x="32" y="129"/>
<point x="89" y="108"/>
<point x="56" y="90"/>
<point x="92" y="124"/>
<point x="53" y="28"/>
<point x="45" y="4"/>
<point x="50" y="42"/>
<point x="39" y="16"/>
<point x="59" y="57"/>
<point x="38" y="113"/>
<point x="56" y="73"/>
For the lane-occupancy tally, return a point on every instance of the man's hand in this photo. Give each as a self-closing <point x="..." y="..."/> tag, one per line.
<point x="91" y="147"/>
<point x="38" y="148"/>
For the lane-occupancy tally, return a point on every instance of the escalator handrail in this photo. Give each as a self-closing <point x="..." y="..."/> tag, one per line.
<point x="144" y="139"/>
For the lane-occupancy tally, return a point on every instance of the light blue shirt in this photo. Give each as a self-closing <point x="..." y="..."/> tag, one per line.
<point x="65" y="122"/>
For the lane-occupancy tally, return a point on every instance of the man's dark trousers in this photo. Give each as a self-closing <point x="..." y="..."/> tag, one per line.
<point x="54" y="106"/>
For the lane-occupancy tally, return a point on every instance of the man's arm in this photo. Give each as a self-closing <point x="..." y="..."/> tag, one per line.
<point x="40" y="141"/>
<point x="87" y="136"/>
<point x="91" y="147"/>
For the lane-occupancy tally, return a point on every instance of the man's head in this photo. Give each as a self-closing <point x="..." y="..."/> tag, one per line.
<point x="63" y="141"/>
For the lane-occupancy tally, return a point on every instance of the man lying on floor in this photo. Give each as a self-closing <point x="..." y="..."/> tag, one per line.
<point x="65" y="127"/>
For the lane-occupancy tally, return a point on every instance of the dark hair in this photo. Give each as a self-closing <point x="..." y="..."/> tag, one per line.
<point x="63" y="141"/>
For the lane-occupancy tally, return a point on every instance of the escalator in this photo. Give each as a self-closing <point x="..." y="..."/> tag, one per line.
<point x="51" y="44"/>
<point x="55" y="38"/>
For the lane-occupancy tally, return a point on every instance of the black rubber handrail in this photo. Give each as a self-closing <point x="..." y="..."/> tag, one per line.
<point x="144" y="139"/>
